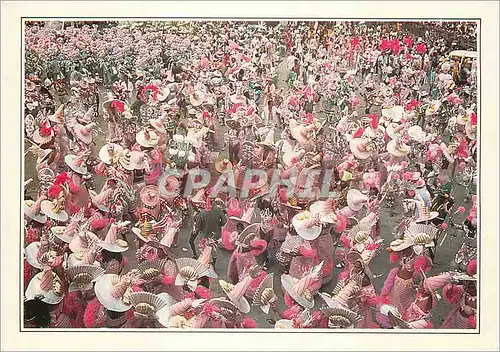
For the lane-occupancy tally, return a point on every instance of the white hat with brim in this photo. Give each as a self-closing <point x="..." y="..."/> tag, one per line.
<point x="306" y="233"/>
<point x="345" y="314"/>
<point x="356" y="200"/>
<point x="395" y="113"/>
<point x="358" y="152"/>
<point x="398" y="151"/>
<point x="77" y="245"/>
<point x="163" y="94"/>
<point x="318" y="208"/>
<point x="31" y="253"/>
<point x="237" y="99"/>
<point x="81" y="134"/>
<point x="470" y="131"/>
<point x="197" y="98"/>
<point x="416" y="133"/>
<point x="138" y="233"/>
<point x="76" y="259"/>
<point x="115" y="247"/>
<point x="41" y="218"/>
<point x="99" y="205"/>
<point x="393" y="130"/>
<point x="400" y="244"/>
<point x="102" y="289"/>
<point x="163" y="314"/>
<point x="58" y="231"/>
<point x="104" y="154"/>
<point x="34" y="290"/>
<point x="90" y="272"/>
<point x="48" y="209"/>
<point x="39" y="139"/>
<point x="70" y="161"/>
<point x="158" y="125"/>
<point x="241" y="303"/>
<point x="288" y="283"/>
<point x="147" y="143"/>
<point x="427" y="217"/>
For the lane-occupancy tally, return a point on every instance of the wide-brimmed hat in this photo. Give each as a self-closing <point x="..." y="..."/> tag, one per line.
<point x="344" y="293"/>
<point x="110" y="98"/>
<point x="356" y="200"/>
<point x="83" y="240"/>
<point x="163" y="314"/>
<point x="471" y="130"/>
<point x="58" y="116"/>
<point x="298" y="289"/>
<point x="425" y="214"/>
<point x="247" y="216"/>
<point x="158" y="125"/>
<point x="265" y="296"/>
<point x="418" y="236"/>
<point x="341" y="318"/>
<point x="268" y="142"/>
<point x="223" y="165"/>
<point x="82" y="277"/>
<point x="32" y="253"/>
<point x="397" y="148"/>
<point x="395" y="113"/>
<point x="300" y="132"/>
<point x="197" y="98"/>
<point x="55" y="209"/>
<point x="325" y="210"/>
<point x="106" y="152"/>
<point x="302" y="320"/>
<point x="189" y="271"/>
<point x="360" y="236"/>
<point x="163" y="94"/>
<point x="65" y="233"/>
<point x="32" y="209"/>
<point x="147" y="138"/>
<point x="85" y="257"/>
<point x="46" y="285"/>
<point x="307" y="225"/>
<point x="150" y="196"/>
<point x="43" y="135"/>
<point x="112" y="243"/>
<point x="101" y="200"/>
<point x="433" y="107"/>
<point x="145" y="232"/>
<point x="87" y="117"/>
<point x="395" y="130"/>
<point x="236" y="293"/>
<point x="84" y="132"/>
<point x="113" y="292"/>
<point x="292" y="157"/>
<point x="77" y="163"/>
<point x="416" y="133"/>
<point x="361" y="148"/>
<point x="146" y="304"/>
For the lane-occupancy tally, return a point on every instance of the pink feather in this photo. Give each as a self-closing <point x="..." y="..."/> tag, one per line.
<point x="259" y="243"/>
<point x="345" y="241"/>
<point x="289" y="301"/>
<point x="452" y="293"/>
<point x="472" y="267"/>
<point x="307" y="252"/>
<point x="420" y="264"/>
<point x="394" y="257"/>
<point x="389" y="282"/>
<point x="343" y="275"/>
<point x="203" y="292"/>
<point x="249" y="323"/>
<point x="472" y="321"/>
<point x="341" y="223"/>
<point x="90" y="315"/>
<point x="167" y="280"/>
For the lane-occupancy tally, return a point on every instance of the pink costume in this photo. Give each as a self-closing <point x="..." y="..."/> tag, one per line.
<point x="457" y="320"/>
<point x="302" y="263"/>
<point x="79" y="193"/>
